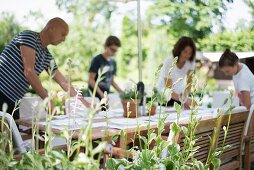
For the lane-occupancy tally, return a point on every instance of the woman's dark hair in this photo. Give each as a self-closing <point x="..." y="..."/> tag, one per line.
<point x="112" y="40"/>
<point x="228" y="58"/>
<point x="181" y="44"/>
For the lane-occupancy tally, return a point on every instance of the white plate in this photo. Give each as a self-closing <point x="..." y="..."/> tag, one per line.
<point x="125" y="121"/>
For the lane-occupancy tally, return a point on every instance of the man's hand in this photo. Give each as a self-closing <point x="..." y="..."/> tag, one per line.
<point x="51" y="107"/>
<point x="189" y="103"/>
<point x="62" y="81"/>
<point x="84" y="102"/>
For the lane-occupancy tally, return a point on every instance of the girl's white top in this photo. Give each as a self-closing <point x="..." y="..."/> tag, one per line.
<point x="244" y="81"/>
<point x="176" y="74"/>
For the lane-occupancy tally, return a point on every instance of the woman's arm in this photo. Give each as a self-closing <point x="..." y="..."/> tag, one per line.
<point x="245" y="99"/>
<point x="169" y="84"/>
<point x="189" y="82"/>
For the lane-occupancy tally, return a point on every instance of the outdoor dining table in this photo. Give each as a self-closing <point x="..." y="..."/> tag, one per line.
<point x="114" y="122"/>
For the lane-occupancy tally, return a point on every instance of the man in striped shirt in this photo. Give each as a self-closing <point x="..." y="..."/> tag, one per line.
<point x="25" y="57"/>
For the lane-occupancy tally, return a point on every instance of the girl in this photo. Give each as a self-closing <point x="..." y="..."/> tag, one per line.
<point x="242" y="77"/>
<point x="185" y="50"/>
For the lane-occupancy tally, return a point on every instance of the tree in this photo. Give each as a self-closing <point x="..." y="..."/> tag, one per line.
<point x="9" y="27"/>
<point x="250" y="3"/>
<point x="159" y="46"/>
<point x="88" y="30"/>
<point x="237" y="41"/>
<point x="183" y="17"/>
<point x="89" y="9"/>
<point x="129" y="51"/>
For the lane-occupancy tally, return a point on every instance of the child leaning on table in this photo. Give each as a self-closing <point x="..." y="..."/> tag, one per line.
<point x="243" y="78"/>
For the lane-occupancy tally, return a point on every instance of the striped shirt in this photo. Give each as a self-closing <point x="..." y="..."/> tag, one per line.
<point x="13" y="82"/>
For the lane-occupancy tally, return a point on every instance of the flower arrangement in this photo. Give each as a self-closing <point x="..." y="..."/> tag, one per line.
<point x="130" y="99"/>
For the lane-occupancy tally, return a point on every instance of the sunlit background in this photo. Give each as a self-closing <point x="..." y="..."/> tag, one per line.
<point x="213" y="24"/>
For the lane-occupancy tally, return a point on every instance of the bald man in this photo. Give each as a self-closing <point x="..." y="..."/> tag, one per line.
<point x="25" y="57"/>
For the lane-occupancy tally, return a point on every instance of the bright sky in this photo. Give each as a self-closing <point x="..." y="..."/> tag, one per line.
<point x="237" y="11"/>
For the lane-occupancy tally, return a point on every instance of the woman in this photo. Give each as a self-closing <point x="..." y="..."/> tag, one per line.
<point x="242" y="77"/>
<point x="185" y="50"/>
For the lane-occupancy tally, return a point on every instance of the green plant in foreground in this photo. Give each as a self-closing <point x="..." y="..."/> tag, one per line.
<point x="80" y="154"/>
<point x="166" y="154"/>
<point x="132" y="94"/>
<point x="154" y="152"/>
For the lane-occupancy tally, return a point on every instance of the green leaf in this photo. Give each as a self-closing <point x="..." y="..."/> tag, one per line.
<point x="174" y="149"/>
<point x="163" y="144"/>
<point x="99" y="148"/>
<point x="152" y="136"/>
<point x="158" y="139"/>
<point x="58" y="154"/>
<point x="184" y="167"/>
<point x="122" y="133"/>
<point x="225" y="101"/>
<point x="144" y="139"/>
<point x="200" y="165"/>
<point x="175" y="128"/>
<point x="216" y="163"/>
<point x="177" y="107"/>
<point x="170" y="165"/>
<point x="115" y="137"/>
<point x="111" y="164"/>
<point x="185" y="131"/>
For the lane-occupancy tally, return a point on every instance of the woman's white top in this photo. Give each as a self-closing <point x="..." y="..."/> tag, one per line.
<point x="244" y="81"/>
<point x="176" y="74"/>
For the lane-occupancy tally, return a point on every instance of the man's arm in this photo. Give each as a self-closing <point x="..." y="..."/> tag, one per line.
<point x="61" y="80"/>
<point x="115" y="85"/>
<point x="28" y="57"/>
<point x="92" y="82"/>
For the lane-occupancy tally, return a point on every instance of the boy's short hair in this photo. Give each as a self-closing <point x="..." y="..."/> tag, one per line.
<point x="112" y="40"/>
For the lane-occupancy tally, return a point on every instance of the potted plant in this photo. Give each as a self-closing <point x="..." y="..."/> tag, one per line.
<point x="130" y="100"/>
<point x="152" y="98"/>
<point x="151" y="106"/>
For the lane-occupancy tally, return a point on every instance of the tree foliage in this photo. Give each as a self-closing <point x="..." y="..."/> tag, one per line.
<point x="129" y="50"/>
<point x="165" y="22"/>
<point x="88" y="9"/>
<point x="88" y="31"/>
<point x="237" y="41"/>
<point x="192" y="18"/>
<point x="250" y="3"/>
<point x="9" y="27"/>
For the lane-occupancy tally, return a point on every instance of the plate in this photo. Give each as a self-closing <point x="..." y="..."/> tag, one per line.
<point x="124" y="121"/>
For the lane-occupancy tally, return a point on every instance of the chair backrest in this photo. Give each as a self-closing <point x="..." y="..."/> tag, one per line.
<point x="203" y="131"/>
<point x="114" y="101"/>
<point x="247" y="125"/>
<point x="16" y="137"/>
<point x="219" y="98"/>
<point x="29" y="106"/>
<point x="234" y="138"/>
<point x="250" y="130"/>
<point x="249" y="139"/>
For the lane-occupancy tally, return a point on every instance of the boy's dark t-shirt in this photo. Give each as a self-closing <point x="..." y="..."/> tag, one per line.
<point x="97" y="63"/>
